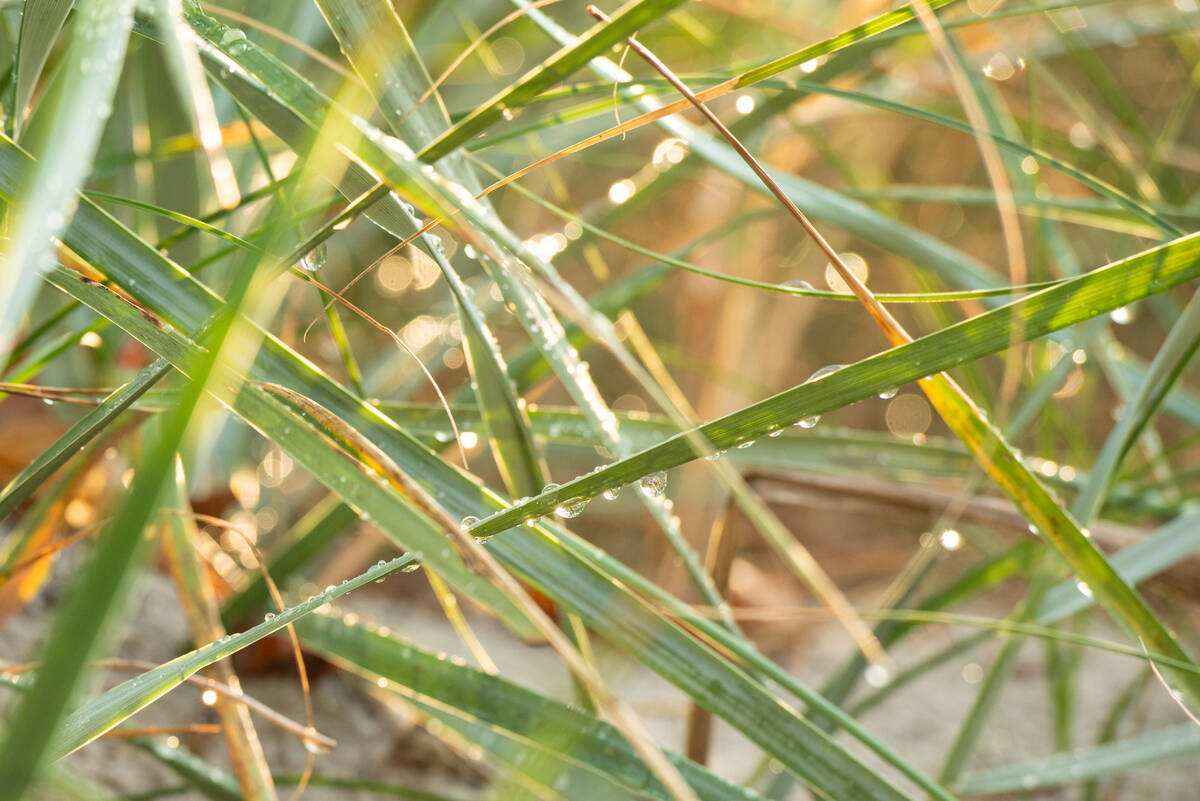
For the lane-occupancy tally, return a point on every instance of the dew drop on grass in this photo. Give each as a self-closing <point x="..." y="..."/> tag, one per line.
<point x="654" y="484"/>
<point x="808" y="422"/>
<point x="571" y="508"/>
<point x="888" y="394"/>
<point x="821" y="372"/>
<point x="799" y="284"/>
<point x="468" y="521"/>
<point x="1083" y="588"/>
<point x="310" y="743"/>
<point x="776" y="433"/>
<point x="314" y="259"/>
<point x="611" y="493"/>
<point x="747" y="444"/>
<point x="268" y="617"/>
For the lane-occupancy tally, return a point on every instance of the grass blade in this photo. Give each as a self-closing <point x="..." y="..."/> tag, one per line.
<point x="1122" y="756"/>
<point x="65" y="134"/>
<point x="41" y="21"/>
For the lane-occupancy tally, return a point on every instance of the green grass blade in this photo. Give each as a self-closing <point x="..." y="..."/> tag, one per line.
<point x="65" y="134"/>
<point x="41" y="21"/>
<point x="1122" y="756"/>
<point x="1168" y="365"/>
<point x="1165" y="547"/>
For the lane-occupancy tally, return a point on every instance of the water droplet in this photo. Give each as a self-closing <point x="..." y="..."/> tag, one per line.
<point x="821" y="372"/>
<point x="611" y="493"/>
<point x="311" y="745"/>
<point x="571" y="508"/>
<point x="1121" y="316"/>
<point x="654" y="484"/>
<point x="314" y="259"/>
<point x="330" y="589"/>
<point x="747" y="444"/>
<point x="1083" y="588"/>
<point x="877" y="676"/>
<point x="468" y="521"/>
<point x="268" y="617"/>
<point x="715" y="455"/>
<point x="551" y="487"/>
<point x="888" y="394"/>
<point x="951" y="540"/>
<point x="411" y="567"/>
<point x="798" y="284"/>
<point x="808" y="422"/>
<point x="381" y="563"/>
<point x="776" y="433"/>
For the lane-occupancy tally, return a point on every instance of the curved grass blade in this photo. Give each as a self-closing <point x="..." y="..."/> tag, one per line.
<point x="78" y="435"/>
<point x="41" y="21"/>
<point x="1164" y="371"/>
<point x="66" y="134"/>
<point x="1167" y="546"/>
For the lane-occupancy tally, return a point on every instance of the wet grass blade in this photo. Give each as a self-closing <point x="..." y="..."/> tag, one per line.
<point x="304" y="542"/>
<point x="65" y="134"/>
